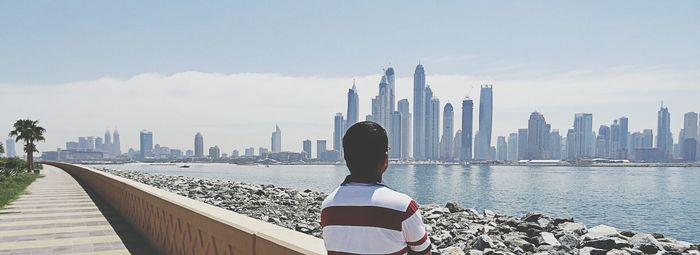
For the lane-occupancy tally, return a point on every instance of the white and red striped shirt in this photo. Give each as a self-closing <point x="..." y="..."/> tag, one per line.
<point x="370" y="218"/>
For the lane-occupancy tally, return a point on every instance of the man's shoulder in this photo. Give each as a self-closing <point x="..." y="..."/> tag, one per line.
<point x="379" y="196"/>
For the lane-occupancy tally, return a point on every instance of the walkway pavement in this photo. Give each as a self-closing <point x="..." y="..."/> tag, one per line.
<point x="59" y="216"/>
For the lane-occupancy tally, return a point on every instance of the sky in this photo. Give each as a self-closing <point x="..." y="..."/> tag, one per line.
<point x="232" y="70"/>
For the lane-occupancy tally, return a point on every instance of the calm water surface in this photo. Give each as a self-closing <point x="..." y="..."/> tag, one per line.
<point x="664" y="200"/>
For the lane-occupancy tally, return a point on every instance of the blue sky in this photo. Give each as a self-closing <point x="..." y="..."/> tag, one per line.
<point x="232" y="70"/>
<point x="54" y="41"/>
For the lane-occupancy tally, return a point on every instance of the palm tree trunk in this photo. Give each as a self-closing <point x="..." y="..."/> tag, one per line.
<point x="30" y="158"/>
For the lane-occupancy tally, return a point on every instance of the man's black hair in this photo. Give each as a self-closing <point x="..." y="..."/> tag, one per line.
<point x="365" y="146"/>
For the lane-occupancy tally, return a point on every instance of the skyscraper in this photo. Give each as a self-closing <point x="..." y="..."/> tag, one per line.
<point x="448" y="116"/>
<point x="353" y="112"/>
<point x="522" y="143"/>
<point x="512" y="147"/>
<point x="395" y="135"/>
<point x="614" y="145"/>
<point x="536" y="136"/>
<point x="664" y="139"/>
<point x="306" y="147"/>
<point x="10" y="148"/>
<point x="403" y="107"/>
<point x="198" y="145"/>
<point x="107" y="145"/>
<point x="555" y="145"/>
<point x="381" y="110"/>
<point x="338" y="132"/>
<point x="689" y="131"/>
<point x="433" y="129"/>
<point x="603" y="142"/>
<point x="485" y="122"/>
<point x="419" y="106"/>
<point x="467" y="125"/>
<point x="502" y="148"/>
<point x="391" y="80"/>
<point x="583" y="135"/>
<point x="276" y="140"/>
<point x="320" y="148"/>
<point x="647" y="138"/>
<point x="116" y="143"/>
<point x="146" y="142"/>
<point x="457" y="146"/>
<point x="214" y="152"/>
<point x="624" y="138"/>
<point x="99" y="144"/>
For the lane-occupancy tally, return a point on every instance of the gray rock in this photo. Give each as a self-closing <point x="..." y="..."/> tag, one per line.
<point x="606" y="243"/>
<point x="489" y="214"/>
<point x="677" y="246"/>
<point x="591" y="251"/>
<point x="646" y="243"/>
<point x="549" y="239"/>
<point x="452" y="250"/>
<point x="517" y="242"/>
<point x="600" y="231"/>
<point x="483" y="242"/>
<point x="618" y="252"/>
<point x="577" y="229"/>
<point x="569" y="241"/>
<point x="453" y="207"/>
<point x="475" y="252"/>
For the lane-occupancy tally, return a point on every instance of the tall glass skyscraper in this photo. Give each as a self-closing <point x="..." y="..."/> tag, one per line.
<point x="338" y="132"/>
<point x="467" y="126"/>
<point x="583" y="136"/>
<point x="512" y="147"/>
<point x="664" y="139"/>
<point x="485" y="122"/>
<point x="419" y="107"/>
<point x="448" y="116"/>
<point x="107" y="143"/>
<point x="198" y="145"/>
<point x="536" y="136"/>
<point x="116" y="143"/>
<point x="276" y="140"/>
<point x="353" y="112"/>
<point x="391" y="80"/>
<point x="146" y="142"/>
<point x="403" y="107"/>
<point x="433" y="129"/>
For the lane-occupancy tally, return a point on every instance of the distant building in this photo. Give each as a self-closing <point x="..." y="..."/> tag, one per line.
<point x="189" y="153"/>
<point x="603" y="142"/>
<point x="276" y="140"/>
<point x="485" y="122"/>
<point x="10" y="150"/>
<point x="70" y="146"/>
<point x="263" y="152"/>
<point x="107" y="146"/>
<point x="353" y="112"/>
<point x="419" y="107"/>
<point x="502" y="148"/>
<point x="522" y="144"/>
<point x="689" y="131"/>
<point x="584" y="141"/>
<point x="447" y="133"/>
<point x="555" y="145"/>
<point x="146" y="142"/>
<point x="250" y="152"/>
<point x="457" y="146"/>
<point x="235" y="154"/>
<point x="306" y="148"/>
<point x="198" y="145"/>
<point x="689" y="149"/>
<point x="537" y="135"/>
<point x="512" y="147"/>
<point x="624" y="151"/>
<point x="214" y="152"/>
<point x="433" y="129"/>
<point x="175" y="153"/>
<point x="403" y="108"/>
<point x="116" y="144"/>
<point x="395" y="136"/>
<point x="320" y="148"/>
<point x="467" y="125"/>
<point x="664" y="139"/>
<point x="647" y="138"/>
<point x="99" y="144"/>
<point x="338" y="133"/>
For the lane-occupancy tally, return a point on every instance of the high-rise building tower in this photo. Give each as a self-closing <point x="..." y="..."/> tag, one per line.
<point x="391" y="80"/>
<point x="603" y="142"/>
<point x="485" y="122"/>
<point x="664" y="139"/>
<point x="320" y="148"/>
<point x="448" y="122"/>
<point x="502" y="149"/>
<point x="689" y="132"/>
<point x="10" y="150"/>
<point x="512" y="147"/>
<point x="522" y="143"/>
<point x="353" y="112"/>
<point x="107" y="145"/>
<point x="116" y="143"/>
<point x="467" y="126"/>
<point x="306" y="148"/>
<point x="395" y="135"/>
<point x="403" y="107"/>
<point x="536" y="136"/>
<point x="198" y="145"/>
<point x="457" y="146"/>
<point x="419" y="106"/>
<point x="624" y="138"/>
<point x="276" y="140"/>
<point x="615" y="143"/>
<point x="381" y="110"/>
<point x="433" y="129"/>
<point x="647" y="138"/>
<point x="338" y="133"/>
<point x="555" y="145"/>
<point x="146" y="142"/>
<point x="583" y="135"/>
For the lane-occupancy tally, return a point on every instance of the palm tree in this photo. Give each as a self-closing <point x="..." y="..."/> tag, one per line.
<point x="28" y="131"/>
<point x="2" y="149"/>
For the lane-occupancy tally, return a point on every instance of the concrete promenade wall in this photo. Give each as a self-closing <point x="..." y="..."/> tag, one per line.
<point x="175" y="224"/>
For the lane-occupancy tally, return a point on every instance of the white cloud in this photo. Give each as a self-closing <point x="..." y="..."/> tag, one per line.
<point x="241" y="110"/>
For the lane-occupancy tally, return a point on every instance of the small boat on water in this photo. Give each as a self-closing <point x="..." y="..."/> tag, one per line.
<point x="184" y="166"/>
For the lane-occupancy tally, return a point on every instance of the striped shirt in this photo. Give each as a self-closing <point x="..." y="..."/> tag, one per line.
<point x="370" y="218"/>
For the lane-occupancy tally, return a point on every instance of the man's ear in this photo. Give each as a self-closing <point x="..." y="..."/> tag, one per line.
<point x="384" y="165"/>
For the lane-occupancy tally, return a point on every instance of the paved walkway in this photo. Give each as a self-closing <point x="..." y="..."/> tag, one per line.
<point x="59" y="216"/>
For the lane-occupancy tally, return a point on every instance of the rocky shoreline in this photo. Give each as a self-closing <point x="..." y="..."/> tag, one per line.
<point x="453" y="230"/>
